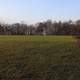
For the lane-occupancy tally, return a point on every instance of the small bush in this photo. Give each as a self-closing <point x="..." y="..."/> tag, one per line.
<point x="77" y="37"/>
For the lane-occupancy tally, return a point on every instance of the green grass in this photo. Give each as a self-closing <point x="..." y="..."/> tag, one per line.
<point x="39" y="58"/>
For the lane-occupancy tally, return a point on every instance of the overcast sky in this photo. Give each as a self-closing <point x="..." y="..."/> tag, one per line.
<point x="32" y="11"/>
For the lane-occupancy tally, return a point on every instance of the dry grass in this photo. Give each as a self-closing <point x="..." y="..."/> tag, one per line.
<point x="39" y="58"/>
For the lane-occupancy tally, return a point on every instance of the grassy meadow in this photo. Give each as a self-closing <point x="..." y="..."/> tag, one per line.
<point x="39" y="58"/>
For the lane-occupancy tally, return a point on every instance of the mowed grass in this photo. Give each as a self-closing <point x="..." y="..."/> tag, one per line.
<point x="39" y="58"/>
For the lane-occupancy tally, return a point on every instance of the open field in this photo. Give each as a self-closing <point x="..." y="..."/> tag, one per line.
<point x="39" y="58"/>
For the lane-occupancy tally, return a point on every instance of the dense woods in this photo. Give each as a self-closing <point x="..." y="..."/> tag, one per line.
<point x="42" y="28"/>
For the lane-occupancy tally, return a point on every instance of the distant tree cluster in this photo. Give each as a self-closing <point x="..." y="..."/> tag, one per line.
<point x="43" y="28"/>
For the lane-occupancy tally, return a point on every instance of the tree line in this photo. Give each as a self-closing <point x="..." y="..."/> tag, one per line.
<point x="42" y="28"/>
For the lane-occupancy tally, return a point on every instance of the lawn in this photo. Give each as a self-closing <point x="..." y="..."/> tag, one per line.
<point x="39" y="58"/>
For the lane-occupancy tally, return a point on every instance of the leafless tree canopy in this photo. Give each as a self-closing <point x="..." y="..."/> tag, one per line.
<point x="43" y="28"/>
